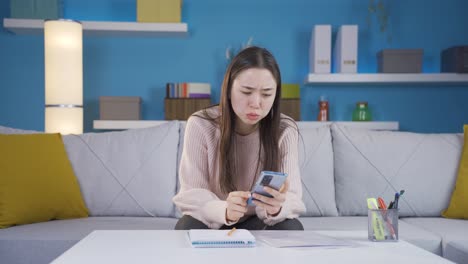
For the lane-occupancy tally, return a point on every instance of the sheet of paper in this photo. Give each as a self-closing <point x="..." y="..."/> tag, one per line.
<point x="302" y="239"/>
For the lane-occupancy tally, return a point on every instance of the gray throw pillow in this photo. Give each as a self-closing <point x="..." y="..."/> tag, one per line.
<point x="316" y="164"/>
<point x="379" y="163"/>
<point x="127" y="173"/>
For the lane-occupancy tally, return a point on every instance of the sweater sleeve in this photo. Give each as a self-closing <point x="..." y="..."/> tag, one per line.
<point x="293" y="206"/>
<point x="194" y="197"/>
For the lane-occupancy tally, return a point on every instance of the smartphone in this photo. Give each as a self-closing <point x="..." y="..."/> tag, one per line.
<point x="271" y="179"/>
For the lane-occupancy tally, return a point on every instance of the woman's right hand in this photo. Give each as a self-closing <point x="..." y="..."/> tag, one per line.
<point x="236" y="205"/>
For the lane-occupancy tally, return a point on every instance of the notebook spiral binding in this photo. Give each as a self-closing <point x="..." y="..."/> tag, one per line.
<point x="223" y="243"/>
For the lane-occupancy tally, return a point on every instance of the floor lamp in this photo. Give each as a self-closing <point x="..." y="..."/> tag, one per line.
<point x="63" y="50"/>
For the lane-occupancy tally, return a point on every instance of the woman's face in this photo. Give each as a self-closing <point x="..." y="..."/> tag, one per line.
<point x="252" y="95"/>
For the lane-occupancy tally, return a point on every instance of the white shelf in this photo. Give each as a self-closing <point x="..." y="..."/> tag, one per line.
<point x="132" y="124"/>
<point x="99" y="28"/>
<point x="388" y="78"/>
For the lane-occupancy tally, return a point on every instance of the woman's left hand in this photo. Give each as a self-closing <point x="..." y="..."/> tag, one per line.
<point x="272" y="205"/>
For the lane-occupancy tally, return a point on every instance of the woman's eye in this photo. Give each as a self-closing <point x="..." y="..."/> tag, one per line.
<point x="267" y="95"/>
<point x="246" y="92"/>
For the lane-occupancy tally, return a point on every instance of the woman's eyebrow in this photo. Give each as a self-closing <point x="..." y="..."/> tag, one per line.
<point x="252" y="88"/>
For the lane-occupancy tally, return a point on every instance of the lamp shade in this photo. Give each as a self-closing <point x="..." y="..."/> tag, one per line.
<point x="63" y="50"/>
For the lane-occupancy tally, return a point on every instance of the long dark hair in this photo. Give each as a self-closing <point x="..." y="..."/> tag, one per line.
<point x="269" y="128"/>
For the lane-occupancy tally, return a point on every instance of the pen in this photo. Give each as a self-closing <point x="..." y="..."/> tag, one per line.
<point x="397" y="198"/>
<point x="383" y="207"/>
<point x="390" y="205"/>
<point x="395" y="203"/>
<point x="387" y="221"/>
<point x="392" y="231"/>
<point x="382" y="204"/>
<point x="231" y="231"/>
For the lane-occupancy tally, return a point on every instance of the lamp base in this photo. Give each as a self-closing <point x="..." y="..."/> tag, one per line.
<point x="64" y="120"/>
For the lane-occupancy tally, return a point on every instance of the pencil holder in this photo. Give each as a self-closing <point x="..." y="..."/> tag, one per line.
<point x="382" y="225"/>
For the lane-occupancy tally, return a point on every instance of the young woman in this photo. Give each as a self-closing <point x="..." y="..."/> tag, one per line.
<point x="227" y="146"/>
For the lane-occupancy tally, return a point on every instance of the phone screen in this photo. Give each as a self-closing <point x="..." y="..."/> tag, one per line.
<point x="271" y="179"/>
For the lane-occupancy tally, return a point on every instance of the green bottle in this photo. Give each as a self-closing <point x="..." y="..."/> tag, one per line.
<point x="362" y="112"/>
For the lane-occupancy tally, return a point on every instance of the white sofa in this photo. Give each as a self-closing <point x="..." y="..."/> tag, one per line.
<point x="128" y="179"/>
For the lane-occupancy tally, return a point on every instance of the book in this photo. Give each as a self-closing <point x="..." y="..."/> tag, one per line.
<point x="209" y="238"/>
<point x="199" y="90"/>
<point x="188" y="90"/>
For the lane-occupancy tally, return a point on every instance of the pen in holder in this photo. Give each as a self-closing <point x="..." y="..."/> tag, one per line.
<point x="382" y="225"/>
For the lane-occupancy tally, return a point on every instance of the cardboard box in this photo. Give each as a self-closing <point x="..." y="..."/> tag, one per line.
<point x="400" y="61"/>
<point x="36" y="9"/>
<point x="320" y="49"/>
<point x="454" y="59"/>
<point x="292" y="108"/>
<point x="159" y="11"/>
<point x="346" y="49"/>
<point x="119" y="108"/>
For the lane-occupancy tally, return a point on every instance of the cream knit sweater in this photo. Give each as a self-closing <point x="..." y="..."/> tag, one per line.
<point x="200" y="195"/>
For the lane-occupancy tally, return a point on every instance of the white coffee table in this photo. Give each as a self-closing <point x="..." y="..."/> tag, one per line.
<point x="168" y="246"/>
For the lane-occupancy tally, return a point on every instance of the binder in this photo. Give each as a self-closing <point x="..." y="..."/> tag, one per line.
<point x="209" y="238"/>
<point x="320" y="49"/>
<point x="346" y="49"/>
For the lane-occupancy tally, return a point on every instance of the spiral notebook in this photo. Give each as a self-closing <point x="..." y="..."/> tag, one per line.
<point x="203" y="238"/>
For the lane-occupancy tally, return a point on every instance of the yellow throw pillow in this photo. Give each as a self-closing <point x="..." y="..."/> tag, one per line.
<point x="37" y="182"/>
<point x="458" y="207"/>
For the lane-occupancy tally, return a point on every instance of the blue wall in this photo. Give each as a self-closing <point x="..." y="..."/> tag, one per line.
<point x="141" y="66"/>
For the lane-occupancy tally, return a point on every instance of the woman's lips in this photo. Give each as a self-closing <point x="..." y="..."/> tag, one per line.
<point x="252" y="116"/>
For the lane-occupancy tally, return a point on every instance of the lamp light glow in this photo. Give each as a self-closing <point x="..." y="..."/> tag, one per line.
<point x="63" y="50"/>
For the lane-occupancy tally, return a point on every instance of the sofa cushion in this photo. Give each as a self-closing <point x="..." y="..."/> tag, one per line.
<point x="316" y="164"/>
<point x="457" y="251"/>
<point x="379" y="163"/>
<point x="127" y="173"/>
<point x="458" y="207"/>
<point x="11" y="130"/>
<point x="37" y="182"/>
<point x="408" y="232"/>
<point x="43" y="242"/>
<point x="454" y="233"/>
<point x="178" y="213"/>
<point x="448" y="229"/>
